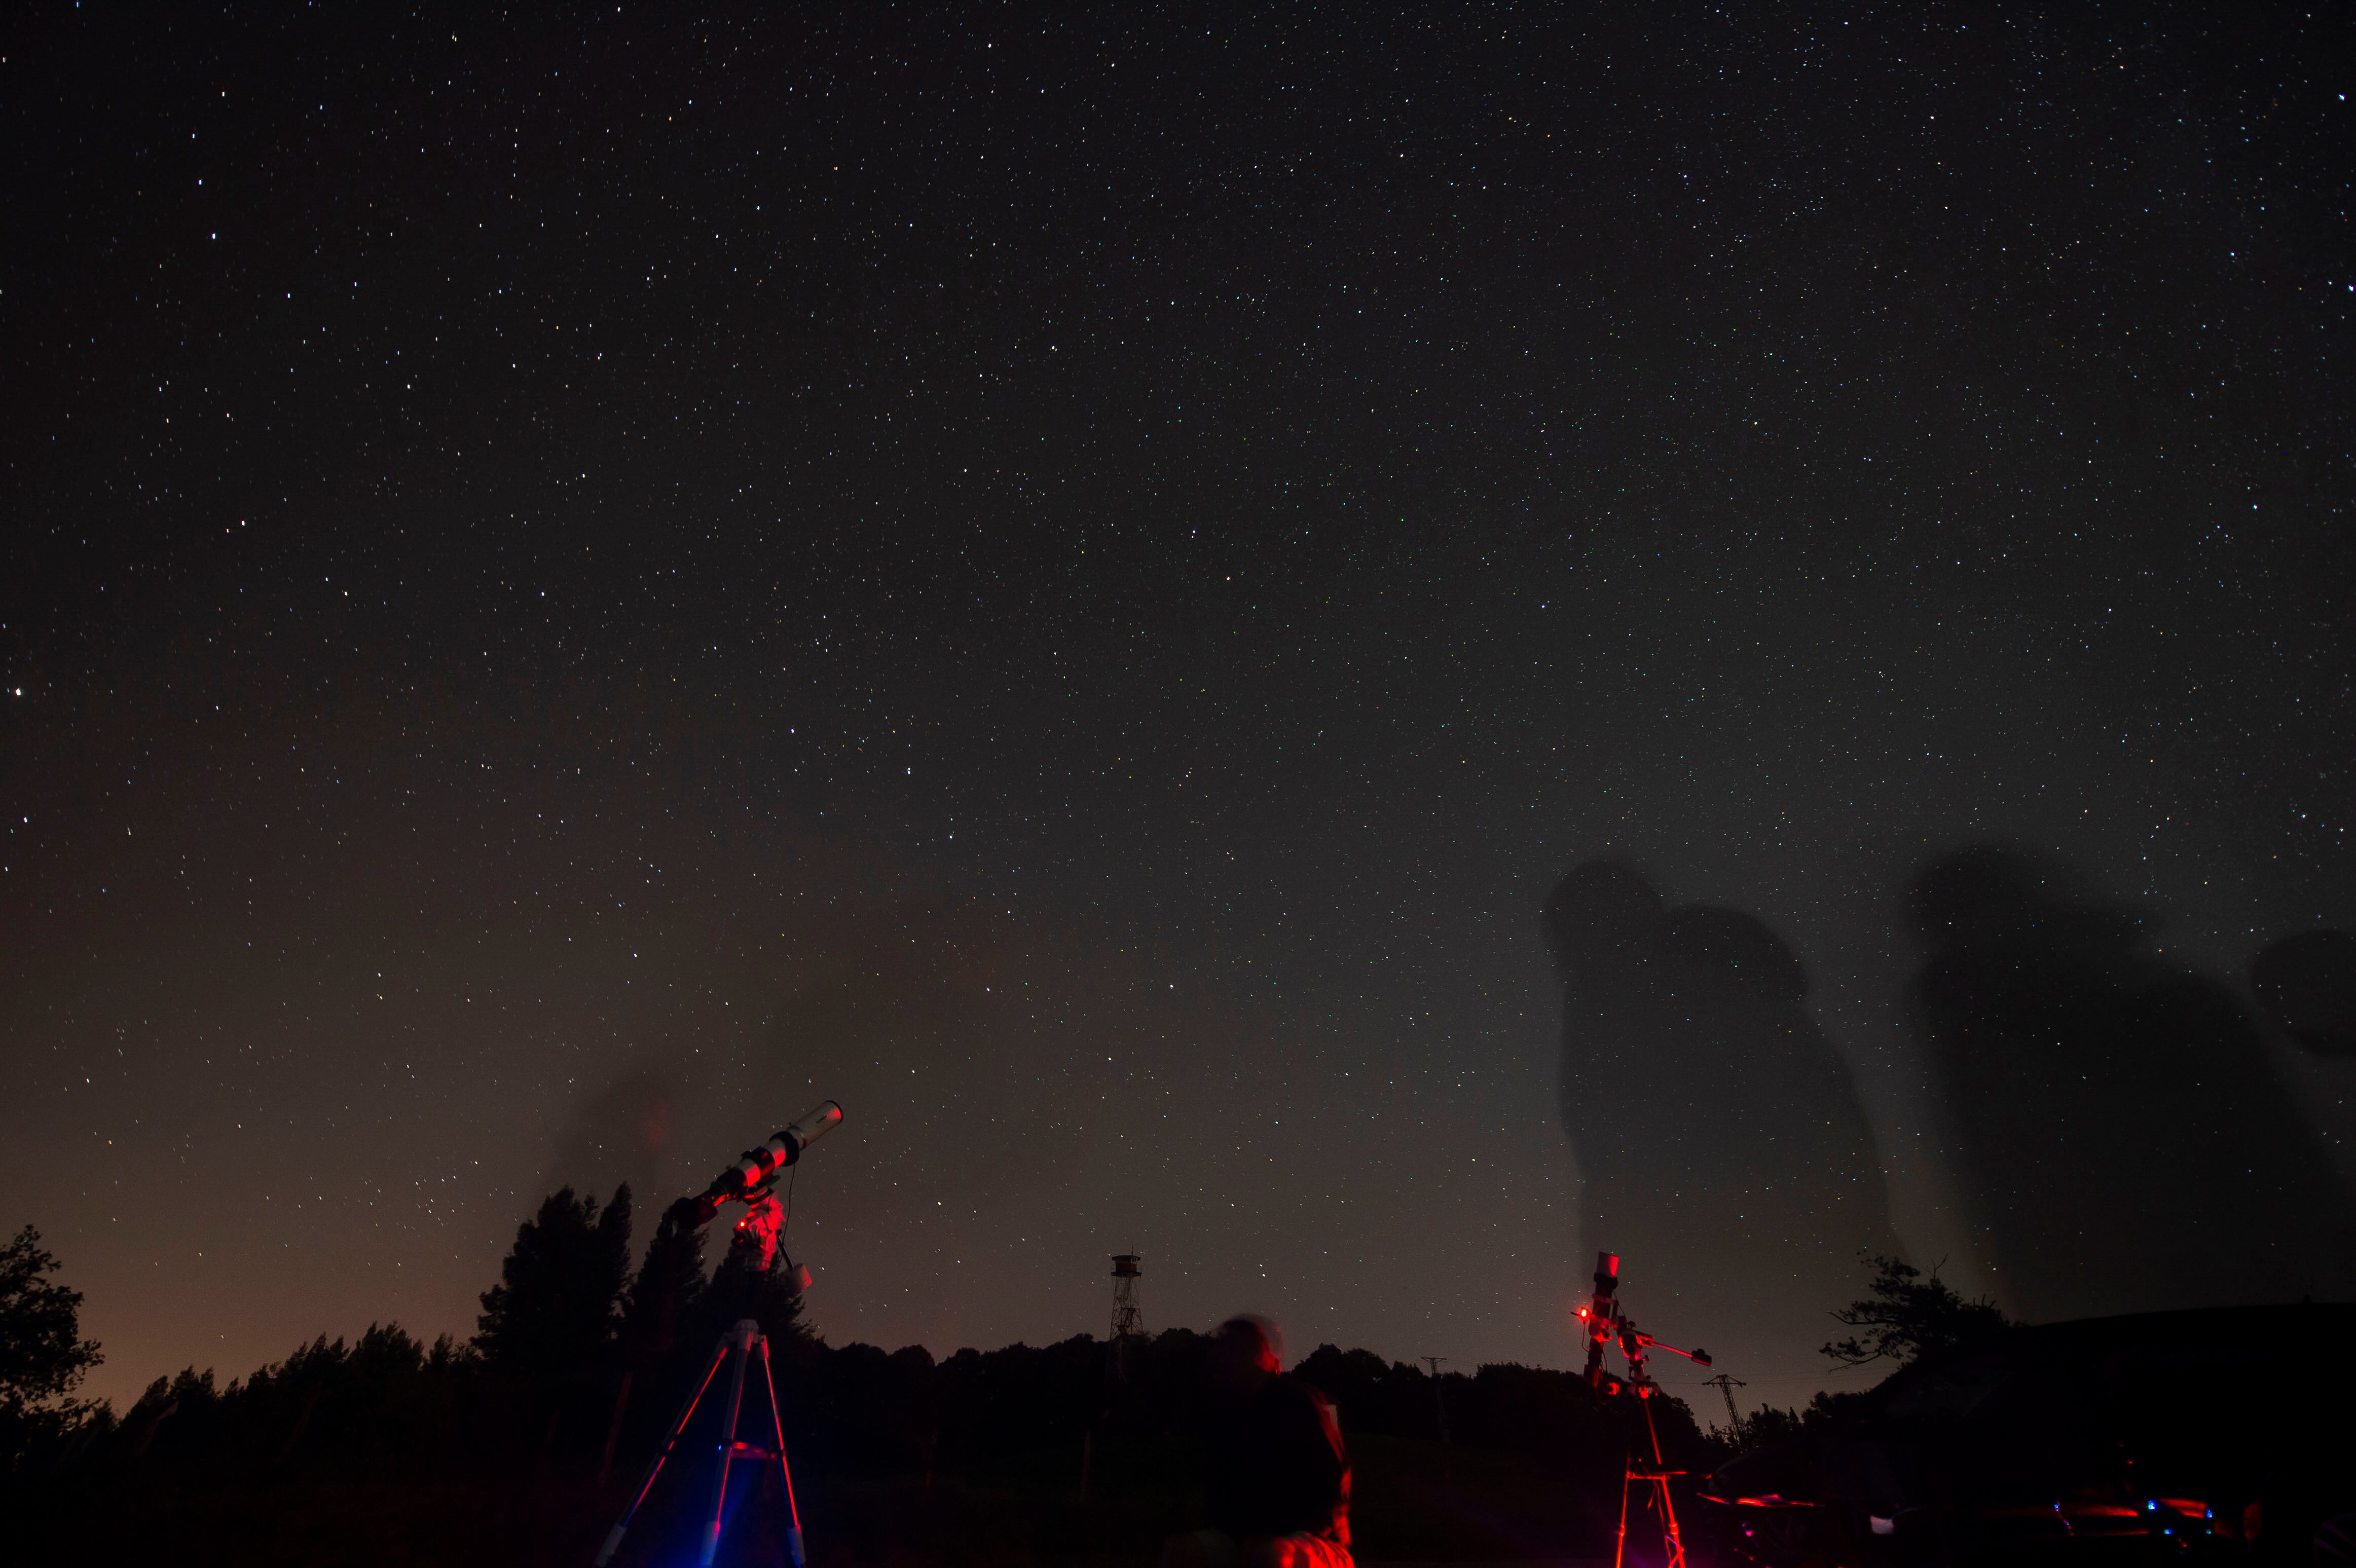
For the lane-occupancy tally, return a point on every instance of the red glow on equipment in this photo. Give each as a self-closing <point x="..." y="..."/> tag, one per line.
<point x="761" y="1227"/>
<point x="761" y="1233"/>
<point x="1605" y="1323"/>
<point x="1598" y="1314"/>
<point x="742" y="1181"/>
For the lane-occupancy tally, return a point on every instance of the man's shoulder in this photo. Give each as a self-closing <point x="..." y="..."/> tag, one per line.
<point x="1293" y="1391"/>
<point x="1307" y="1404"/>
<point x="1302" y="1410"/>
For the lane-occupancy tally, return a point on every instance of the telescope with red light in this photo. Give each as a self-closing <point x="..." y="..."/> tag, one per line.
<point x="742" y="1181"/>
<point x="752" y="1181"/>
<point x="1605" y="1322"/>
<point x="758" y="1239"/>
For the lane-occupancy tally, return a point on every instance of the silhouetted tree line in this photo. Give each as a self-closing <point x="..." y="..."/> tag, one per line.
<point x="43" y="1356"/>
<point x="1909" y="1316"/>
<point x="579" y="1364"/>
<point x="1504" y="1406"/>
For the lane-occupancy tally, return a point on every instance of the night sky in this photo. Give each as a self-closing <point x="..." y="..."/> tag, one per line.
<point x="576" y="582"/>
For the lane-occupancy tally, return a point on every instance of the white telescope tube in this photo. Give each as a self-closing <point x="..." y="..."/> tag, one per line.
<point x="813" y="1127"/>
<point x="759" y="1164"/>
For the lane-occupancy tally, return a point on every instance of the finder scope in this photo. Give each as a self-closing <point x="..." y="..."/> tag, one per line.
<point x="750" y="1174"/>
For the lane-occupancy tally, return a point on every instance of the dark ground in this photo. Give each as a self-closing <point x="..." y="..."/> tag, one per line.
<point x="1414" y="1502"/>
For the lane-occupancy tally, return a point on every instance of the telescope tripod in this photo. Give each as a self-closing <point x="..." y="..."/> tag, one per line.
<point x="1605" y="1323"/>
<point x="1673" y="1546"/>
<point x="739" y="1342"/>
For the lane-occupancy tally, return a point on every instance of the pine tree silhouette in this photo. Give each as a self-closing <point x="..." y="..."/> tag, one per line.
<point x="554" y="1312"/>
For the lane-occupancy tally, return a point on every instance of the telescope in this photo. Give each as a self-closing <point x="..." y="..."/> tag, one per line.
<point x="1605" y="1322"/>
<point x="758" y="1240"/>
<point x="743" y="1182"/>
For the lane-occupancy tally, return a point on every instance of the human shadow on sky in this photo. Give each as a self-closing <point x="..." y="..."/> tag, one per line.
<point x="2306" y="986"/>
<point x="1724" y="1148"/>
<point x="2120" y="1133"/>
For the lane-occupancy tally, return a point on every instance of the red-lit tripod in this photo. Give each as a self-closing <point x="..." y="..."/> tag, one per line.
<point x="757" y="1238"/>
<point x="1605" y="1323"/>
<point x="741" y="1343"/>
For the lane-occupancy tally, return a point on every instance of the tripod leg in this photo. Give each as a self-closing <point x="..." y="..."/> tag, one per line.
<point x="740" y="1342"/>
<point x="777" y="1428"/>
<point x="1671" y="1538"/>
<point x="1673" y="1549"/>
<point x="1620" y="1542"/>
<point x="614" y="1539"/>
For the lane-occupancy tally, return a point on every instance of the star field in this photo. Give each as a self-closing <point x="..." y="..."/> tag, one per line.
<point x="1074" y="581"/>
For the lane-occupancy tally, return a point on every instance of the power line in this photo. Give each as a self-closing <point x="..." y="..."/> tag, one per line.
<point x="1727" y="1385"/>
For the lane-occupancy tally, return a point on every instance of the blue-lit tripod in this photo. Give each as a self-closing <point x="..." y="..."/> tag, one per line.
<point x="740" y="1343"/>
<point x="758" y="1238"/>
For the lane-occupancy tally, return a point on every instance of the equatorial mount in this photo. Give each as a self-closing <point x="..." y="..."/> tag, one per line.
<point x="758" y="1237"/>
<point x="1605" y="1324"/>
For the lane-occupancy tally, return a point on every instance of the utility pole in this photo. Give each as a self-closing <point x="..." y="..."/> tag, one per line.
<point x="1727" y="1385"/>
<point x="1439" y="1403"/>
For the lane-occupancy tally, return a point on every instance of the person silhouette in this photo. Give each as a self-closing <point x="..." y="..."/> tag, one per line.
<point x="1276" y="1474"/>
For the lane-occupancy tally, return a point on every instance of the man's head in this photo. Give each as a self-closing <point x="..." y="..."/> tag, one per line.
<point x="1247" y="1353"/>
